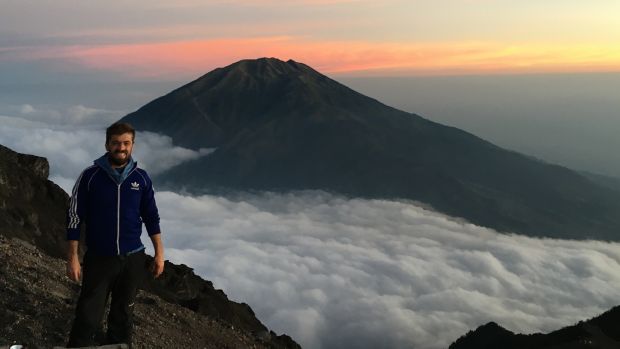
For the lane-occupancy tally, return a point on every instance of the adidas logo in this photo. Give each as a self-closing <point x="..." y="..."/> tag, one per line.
<point x="135" y="186"/>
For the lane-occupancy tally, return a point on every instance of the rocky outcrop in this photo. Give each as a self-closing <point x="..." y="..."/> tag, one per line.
<point x="181" y="286"/>
<point x="32" y="208"/>
<point x="38" y="297"/>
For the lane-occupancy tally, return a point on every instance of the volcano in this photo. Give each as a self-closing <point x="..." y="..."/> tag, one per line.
<point x="283" y="126"/>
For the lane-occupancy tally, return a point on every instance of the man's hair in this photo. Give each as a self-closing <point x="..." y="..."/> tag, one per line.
<point x="119" y="128"/>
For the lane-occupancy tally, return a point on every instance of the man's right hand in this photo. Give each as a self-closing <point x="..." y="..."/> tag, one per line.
<point x="74" y="270"/>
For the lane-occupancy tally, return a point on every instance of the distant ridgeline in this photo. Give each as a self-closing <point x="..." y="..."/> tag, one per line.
<point x="600" y="332"/>
<point x="283" y="126"/>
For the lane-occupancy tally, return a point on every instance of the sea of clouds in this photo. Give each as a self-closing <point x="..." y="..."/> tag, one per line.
<point x="336" y="272"/>
<point x="351" y="273"/>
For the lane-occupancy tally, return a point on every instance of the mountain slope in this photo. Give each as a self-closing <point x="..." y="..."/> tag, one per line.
<point x="283" y="126"/>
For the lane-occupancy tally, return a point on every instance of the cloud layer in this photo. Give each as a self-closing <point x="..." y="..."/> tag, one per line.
<point x="350" y="273"/>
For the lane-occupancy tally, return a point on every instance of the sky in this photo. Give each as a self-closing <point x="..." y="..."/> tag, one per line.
<point x="155" y="39"/>
<point x="334" y="272"/>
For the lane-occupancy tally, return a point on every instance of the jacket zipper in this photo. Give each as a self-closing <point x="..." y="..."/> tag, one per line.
<point x="118" y="219"/>
<point x="118" y="210"/>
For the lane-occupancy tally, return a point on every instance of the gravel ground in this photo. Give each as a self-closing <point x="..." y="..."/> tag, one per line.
<point x="37" y="302"/>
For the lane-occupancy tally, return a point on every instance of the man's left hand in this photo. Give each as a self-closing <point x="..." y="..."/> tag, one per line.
<point x="158" y="266"/>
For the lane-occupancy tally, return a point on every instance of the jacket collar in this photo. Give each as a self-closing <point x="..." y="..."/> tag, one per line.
<point x="103" y="163"/>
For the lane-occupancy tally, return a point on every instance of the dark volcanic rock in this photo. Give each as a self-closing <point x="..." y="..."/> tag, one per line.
<point x="37" y="298"/>
<point x="601" y="332"/>
<point x="283" y="126"/>
<point x="180" y="285"/>
<point x="32" y="208"/>
<point x="484" y="337"/>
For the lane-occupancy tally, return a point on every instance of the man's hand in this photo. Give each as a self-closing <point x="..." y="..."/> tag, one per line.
<point x="158" y="261"/>
<point x="158" y="266"/>
<point x="74" y="270"/>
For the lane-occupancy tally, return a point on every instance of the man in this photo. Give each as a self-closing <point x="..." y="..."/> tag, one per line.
<point x="113" y="198"/>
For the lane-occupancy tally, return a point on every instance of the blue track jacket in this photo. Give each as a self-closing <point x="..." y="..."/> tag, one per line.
<point x="113" y="206"/>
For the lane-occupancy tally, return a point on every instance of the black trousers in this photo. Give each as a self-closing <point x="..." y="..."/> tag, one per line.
<point x="102" y="277"/>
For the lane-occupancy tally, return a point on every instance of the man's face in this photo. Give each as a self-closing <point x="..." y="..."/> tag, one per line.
<point x="119" y="148"/>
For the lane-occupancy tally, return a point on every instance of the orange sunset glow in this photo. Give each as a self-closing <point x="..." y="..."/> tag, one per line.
<point x="342" y="57"/>
<point x="341" y="37"/>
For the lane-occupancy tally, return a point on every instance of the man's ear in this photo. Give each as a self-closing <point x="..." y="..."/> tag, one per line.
<point x="106" y="146"/>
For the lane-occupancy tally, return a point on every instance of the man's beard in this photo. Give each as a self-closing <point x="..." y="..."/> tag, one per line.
<point x="119" y="162"/>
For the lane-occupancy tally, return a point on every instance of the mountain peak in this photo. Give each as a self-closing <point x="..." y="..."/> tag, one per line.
<point x="269" y="67"/>
<point x="259" y="76"/>
<point x="212" y="109"/>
